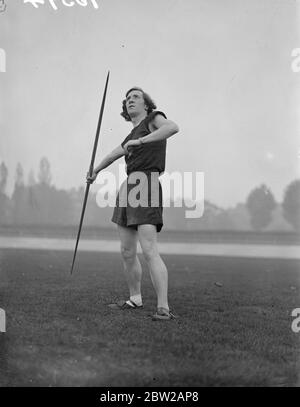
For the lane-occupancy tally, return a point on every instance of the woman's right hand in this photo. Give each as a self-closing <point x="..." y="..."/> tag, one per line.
<point x="91" y="179"/>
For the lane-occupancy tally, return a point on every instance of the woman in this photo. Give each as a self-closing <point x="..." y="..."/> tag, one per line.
<point x="138" y="211"/>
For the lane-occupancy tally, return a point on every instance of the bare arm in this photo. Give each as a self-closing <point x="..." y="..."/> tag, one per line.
<point x="161" y="129"/>
<point x="114" y="155"/>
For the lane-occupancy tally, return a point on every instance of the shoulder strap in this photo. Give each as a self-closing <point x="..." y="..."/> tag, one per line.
<point x="151" y="116"/>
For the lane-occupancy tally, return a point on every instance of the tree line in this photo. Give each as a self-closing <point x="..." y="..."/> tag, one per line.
<point x="39" y="202"/>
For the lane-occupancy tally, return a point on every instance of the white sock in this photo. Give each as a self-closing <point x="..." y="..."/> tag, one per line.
<point x="137" y="299"/>
<point x="165" y="308"/>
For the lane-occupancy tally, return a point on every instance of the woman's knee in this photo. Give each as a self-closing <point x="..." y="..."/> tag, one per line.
<point x="150" y="252"/>
<point x="128" y="253"/>
<point x="147" y="237"/>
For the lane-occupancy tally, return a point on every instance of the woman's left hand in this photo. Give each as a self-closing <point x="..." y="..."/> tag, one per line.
<point x="131" y="144"/>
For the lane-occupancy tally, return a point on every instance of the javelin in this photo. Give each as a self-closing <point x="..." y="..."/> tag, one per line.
<point x="90" y="170"/>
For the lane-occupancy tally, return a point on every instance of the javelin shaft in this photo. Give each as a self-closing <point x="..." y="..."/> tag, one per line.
<point x="80" y="223"/>
<point x="99" y="126"/>
<point x="91" y="169"/>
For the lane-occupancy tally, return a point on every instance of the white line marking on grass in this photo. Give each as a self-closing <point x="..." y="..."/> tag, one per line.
<point x="195" y="249"/>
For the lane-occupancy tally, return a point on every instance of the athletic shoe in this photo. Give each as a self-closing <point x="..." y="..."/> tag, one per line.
<point x="162" y="314"/>
<point x="123" y="305"/>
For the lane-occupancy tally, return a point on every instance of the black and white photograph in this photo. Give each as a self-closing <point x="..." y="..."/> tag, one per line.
<point x="149" y="196"/>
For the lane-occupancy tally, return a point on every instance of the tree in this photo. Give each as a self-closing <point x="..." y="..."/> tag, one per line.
<point x="260" y="204"/>
<point x="19" y="177"/>
<point x="3" y="177"/>
<point x="31" y="179"/>
<point x="291" y="204"/>
<point x="19" y="207"/>
<point x="44" y="175"/>
<point x="4" y="200"/>
<point x="32" y="203"/>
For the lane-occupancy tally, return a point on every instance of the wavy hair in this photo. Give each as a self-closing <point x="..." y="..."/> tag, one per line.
<point x="147" y="99"/>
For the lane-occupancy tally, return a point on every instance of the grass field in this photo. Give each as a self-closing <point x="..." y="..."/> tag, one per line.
<point x="61" y="333"/>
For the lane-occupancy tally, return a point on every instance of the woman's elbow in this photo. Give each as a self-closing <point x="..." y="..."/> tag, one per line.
<point x="172" y="127"/>
<point x="175" y="128"/>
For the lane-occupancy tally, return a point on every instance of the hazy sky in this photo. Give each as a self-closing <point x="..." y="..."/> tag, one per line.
<point x="221" y="69"/>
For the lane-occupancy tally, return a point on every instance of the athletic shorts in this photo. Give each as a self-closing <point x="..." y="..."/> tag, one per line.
<point x="139" y="201"/>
